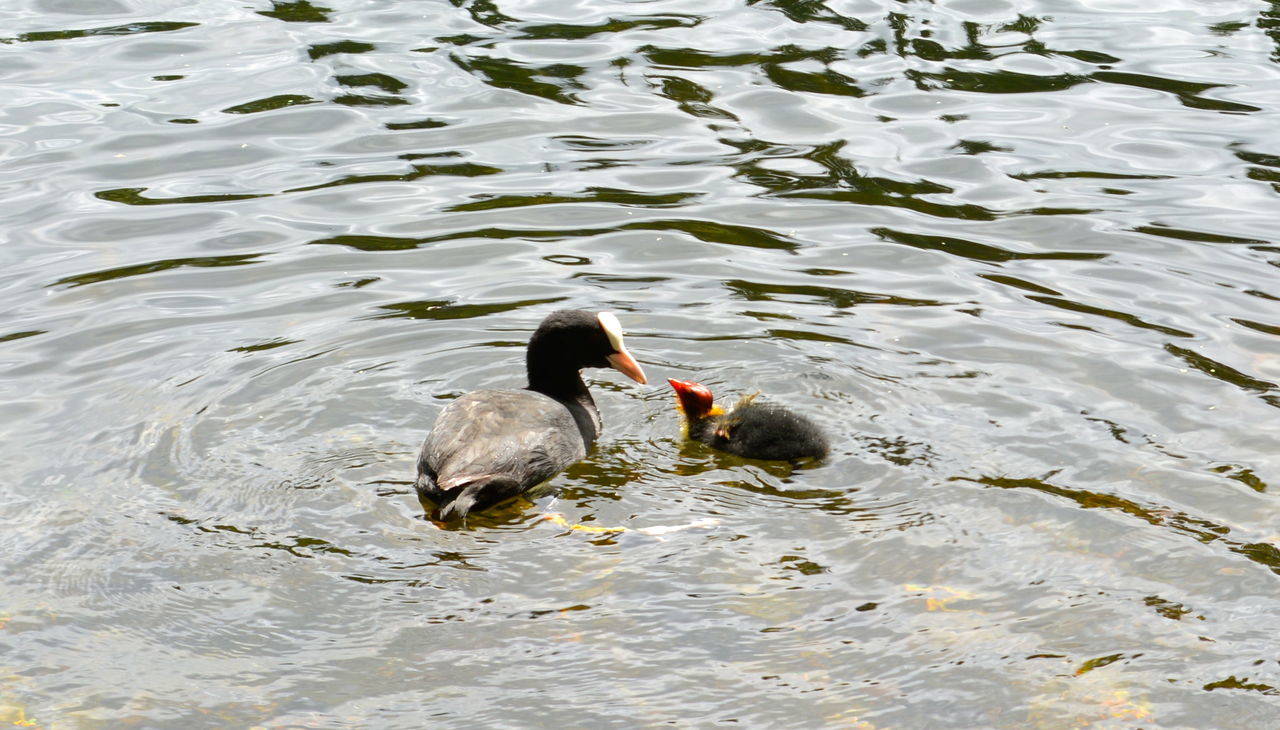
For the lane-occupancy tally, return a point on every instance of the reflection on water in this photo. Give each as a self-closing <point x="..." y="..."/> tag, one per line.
<point x="1015" y="259"/>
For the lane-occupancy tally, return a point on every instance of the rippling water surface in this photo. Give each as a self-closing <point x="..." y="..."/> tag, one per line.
<point x="1019" y="258"/>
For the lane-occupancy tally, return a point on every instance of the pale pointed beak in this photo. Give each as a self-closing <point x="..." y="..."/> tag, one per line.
<point x="627" y="365"/>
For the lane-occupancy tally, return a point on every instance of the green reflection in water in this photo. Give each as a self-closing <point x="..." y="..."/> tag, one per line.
<point x="1223" y="372"/>
<point x="838" y="298"/>
<point x="129" y="29"/>
<point x="590" y="195"/>
<point x="320" y="50"/>
<point x="565" y="31"/>
<point x="446" y="309"/>
<point x="1187" y="92"/>
<point x="1127" y="318"/>
<point x="21" y="335"/>
<point x="974" y="250"/>
<point x="462" y="169"/>
<point x="551" y="82"/>
<point x="297" y="12"/>
<point x="123" y="272"/>
<point x="270" y="103"/>
<point x="134" y="196"/>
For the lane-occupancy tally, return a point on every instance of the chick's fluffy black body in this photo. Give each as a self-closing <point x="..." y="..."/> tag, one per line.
<point x="762" y="431"/>
<point x="749" y="429"/>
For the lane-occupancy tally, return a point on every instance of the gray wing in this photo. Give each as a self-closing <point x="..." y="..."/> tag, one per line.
<point x="516" y="433"/>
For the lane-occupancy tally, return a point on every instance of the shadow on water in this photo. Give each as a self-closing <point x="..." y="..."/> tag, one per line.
<point x="520" y="513"/>
<point x="771" y="481"/>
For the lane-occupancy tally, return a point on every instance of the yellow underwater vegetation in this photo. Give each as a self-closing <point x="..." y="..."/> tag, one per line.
<point x="656" y="531"/>
<point x="937" y="598"/>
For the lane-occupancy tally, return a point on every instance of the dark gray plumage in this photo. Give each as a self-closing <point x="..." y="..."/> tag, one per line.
<point x="491" y="445"/>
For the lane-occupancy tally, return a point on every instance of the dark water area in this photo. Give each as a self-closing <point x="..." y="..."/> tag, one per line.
<point x="1019" y="259"/>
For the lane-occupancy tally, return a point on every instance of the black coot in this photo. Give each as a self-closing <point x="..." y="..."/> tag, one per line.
<point x="491" y="445"/>
<point x="750" y="429"/>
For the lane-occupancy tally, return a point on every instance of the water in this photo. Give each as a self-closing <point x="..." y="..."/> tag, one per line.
<point x="1017" y="257"/>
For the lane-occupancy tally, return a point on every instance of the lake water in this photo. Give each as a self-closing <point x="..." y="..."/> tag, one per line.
<point x="1018" y="257"/>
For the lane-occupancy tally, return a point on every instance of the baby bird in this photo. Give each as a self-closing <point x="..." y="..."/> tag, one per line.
<point x="749" y="429"/>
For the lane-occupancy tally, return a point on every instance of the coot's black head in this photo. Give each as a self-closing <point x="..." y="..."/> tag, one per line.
<point x="572" y="339"/>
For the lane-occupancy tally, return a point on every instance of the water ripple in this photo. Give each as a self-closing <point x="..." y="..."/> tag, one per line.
<point x="1014" y="262"/>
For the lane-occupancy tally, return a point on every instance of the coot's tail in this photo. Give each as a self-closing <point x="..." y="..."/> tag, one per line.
<point x="456" y="503"/>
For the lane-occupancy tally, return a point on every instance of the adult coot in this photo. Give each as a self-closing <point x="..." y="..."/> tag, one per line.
<point x="750" y="429"/>
<point x="491" y="445"/>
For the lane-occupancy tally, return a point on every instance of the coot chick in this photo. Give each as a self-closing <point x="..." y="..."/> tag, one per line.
<point x="490" y="445"/>
<point x="749" y="429"/>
